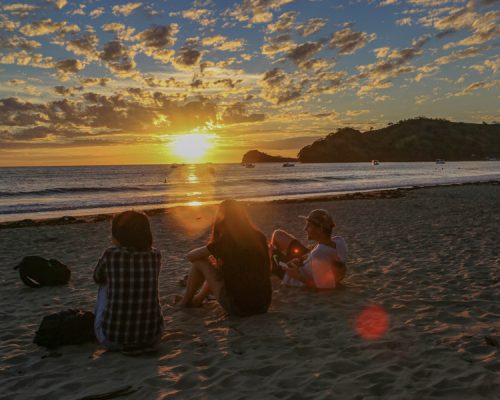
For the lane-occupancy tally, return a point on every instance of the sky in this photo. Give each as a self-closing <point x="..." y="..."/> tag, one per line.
<point x="118" y="82"/>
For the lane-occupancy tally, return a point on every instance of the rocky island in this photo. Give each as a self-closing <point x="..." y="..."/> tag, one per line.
<point x="255" y="156"/>
<point x="417" y="139"/>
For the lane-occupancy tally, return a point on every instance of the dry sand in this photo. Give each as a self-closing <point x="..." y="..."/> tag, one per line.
<point x="428" y="259"/>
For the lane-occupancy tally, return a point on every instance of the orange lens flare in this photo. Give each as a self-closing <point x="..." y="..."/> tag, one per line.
<point x="193" y="221"/>
<point x="372" y="323"/>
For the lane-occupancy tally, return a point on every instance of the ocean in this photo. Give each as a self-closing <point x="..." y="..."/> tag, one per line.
<point x="47" y="192"/>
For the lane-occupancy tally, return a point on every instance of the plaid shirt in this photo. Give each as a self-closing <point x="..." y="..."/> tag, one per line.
<point x="133" y="313"/>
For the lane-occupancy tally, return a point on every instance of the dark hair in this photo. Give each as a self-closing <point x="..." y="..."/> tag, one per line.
<point x="131" y="229"/>
<point x="232" y="219"/>
<point x="326" y="231"/>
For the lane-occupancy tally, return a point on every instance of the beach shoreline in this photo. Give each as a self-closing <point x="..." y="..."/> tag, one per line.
<point x="427" y="261"/>
<point x="348" y="195"/>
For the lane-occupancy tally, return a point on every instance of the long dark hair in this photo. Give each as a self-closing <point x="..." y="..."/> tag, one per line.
<point x="131" y="229"/>
<point x="233" y="221"/>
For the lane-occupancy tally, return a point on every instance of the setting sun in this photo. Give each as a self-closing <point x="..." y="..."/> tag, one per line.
<point x="192" y="146"/>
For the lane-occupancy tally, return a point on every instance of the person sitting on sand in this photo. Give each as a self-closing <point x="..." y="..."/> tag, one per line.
<point x="323" y="267"/>
<point x="128" y="315"/>
<point x="234" y="265"/>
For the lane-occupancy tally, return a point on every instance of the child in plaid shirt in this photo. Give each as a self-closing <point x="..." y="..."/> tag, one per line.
<point x="128" y="314"/>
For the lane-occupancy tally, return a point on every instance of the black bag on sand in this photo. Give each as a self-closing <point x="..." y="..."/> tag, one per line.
<point x="37" y="271"/>
<point x="65" y="327"/>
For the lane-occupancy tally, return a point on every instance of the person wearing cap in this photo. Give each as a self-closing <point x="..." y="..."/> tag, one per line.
<point x="322" y="267"/>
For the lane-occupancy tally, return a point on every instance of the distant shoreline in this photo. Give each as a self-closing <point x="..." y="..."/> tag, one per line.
<point x="389" y="193"/>
<point x="231" y="163"/>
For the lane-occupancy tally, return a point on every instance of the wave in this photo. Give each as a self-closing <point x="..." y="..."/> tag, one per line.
<point x="299" y="180"/>
<point x="70" y="190"/>
<point x="163" y="186"/>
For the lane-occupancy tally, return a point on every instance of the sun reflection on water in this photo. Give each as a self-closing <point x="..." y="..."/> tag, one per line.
<point x="192" y="178"/>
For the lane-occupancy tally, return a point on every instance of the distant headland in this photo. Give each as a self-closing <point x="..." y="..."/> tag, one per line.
<point x="255" y="156"/>
<point x="417" y="139"/>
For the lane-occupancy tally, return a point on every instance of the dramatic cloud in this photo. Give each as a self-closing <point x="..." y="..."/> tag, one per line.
<point x="460" y="55"/>
<point x="47" y="27"/>
<point x="26" y="88"/>
<point x="65" y="68"/>
<point x="84" y="46"/>
<point x="20" y="10"/>
<point x="59" y="4"/>
<point x="7" y="25"/>
<point x="278" y="87"/>
<point x="157" y="40"/>
<point x="431" y="3"/>
<point x="96" y="13"/>
<point x="304" y="51"/>
<point x="122" y="32"/>
<point x="317" y="64"/>
<point x="328" y="83"/>
<point x="24" y="58"/>
<point x="118" y="58"/>
<point x="15" y="112"/>
<point x="159" y="36"/>
<point x="478" y="85"/>
<point x="257" y="11"/>
<point x="187" y="59"/>
<point x="277" y="44"/>
<point x="14" y="42"/>
<point x="231" y="45"/>
<point x="425" y="71"/>
<point x="483" y="29"/>
<point x="312" y="26"/>
<point x="348" y="41"/>
<point x="202" y="16"/>
<point x="237" y="114"/>
<point x="284" y="23"/>
<point x="94" y="81"/>
<point x="133" y="110"/>
<point x="391" y="63"/>
<point x="213" y="40"/>
<point x="222" y="43"/>
<point x="132" y="71"/>
<point x="404" y="21"/>
<point x="78" y="11"/>
<point x="65" y="91"/>
<point x="126" y="9"/>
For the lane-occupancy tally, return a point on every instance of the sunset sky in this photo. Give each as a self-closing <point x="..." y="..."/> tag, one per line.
<point x="117" y="82"/>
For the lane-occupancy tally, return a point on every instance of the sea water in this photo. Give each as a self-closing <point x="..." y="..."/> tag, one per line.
<point x="43" y="192"/>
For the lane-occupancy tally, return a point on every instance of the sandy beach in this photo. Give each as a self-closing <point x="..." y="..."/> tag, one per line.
<point x="427" y="259"/>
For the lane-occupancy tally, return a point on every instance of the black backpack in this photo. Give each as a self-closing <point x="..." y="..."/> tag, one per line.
<point x="37" y="271"/>
<point x="65" y="327"/>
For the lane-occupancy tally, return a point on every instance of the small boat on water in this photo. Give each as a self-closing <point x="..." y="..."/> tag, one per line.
<point x="440" y="161"/>
<point x="375" y="162"/>
<point x="288" y="164"/>
<point x="249" y="165"/>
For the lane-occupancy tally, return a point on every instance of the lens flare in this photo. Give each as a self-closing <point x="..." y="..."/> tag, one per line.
<point x="372" y="323"/>
<point x="193" y="221"/>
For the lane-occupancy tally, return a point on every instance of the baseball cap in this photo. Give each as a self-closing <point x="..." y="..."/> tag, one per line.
<point x="320" y="218"/>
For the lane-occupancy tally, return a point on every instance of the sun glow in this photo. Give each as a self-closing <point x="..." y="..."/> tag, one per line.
<point x="191" y="146"/>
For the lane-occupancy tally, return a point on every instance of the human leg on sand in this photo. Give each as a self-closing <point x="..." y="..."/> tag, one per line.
<point x="202" y="277"/>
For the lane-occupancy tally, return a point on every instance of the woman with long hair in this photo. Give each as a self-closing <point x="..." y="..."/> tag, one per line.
<point x="234" y="265"/>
